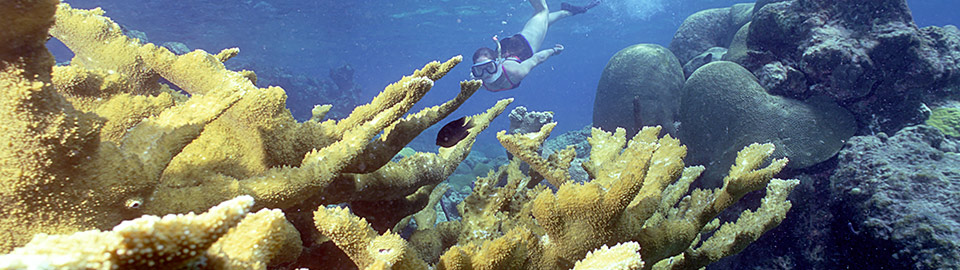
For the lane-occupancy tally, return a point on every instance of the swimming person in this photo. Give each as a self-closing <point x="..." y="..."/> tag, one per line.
<point x="504" y="68"/>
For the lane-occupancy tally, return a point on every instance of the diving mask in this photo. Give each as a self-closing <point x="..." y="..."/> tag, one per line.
<point x="485" y="67"/>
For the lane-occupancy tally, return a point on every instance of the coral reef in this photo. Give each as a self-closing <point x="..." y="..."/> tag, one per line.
<point x="261" y="239"/>
<point x="710" y="55"/>
<point x="577" y="138"/>
<point x="366" y="248"/>
<point x="147" y="242"/>
<point x="724" y="109"/>
<point x="102" y="140"/>
<point x="476" y="164"/>
<point x="638" y="192"/>
<point x="873" y="60"/>
<point x="88" y="145"/>
<point x="640" y="86"/>
<point x="554" y="168"/>
<point x="870" y="56"/>
<point x="622" y="256"/>
<point x="897" y="196"/>
<point x="338" y="87"/>
<point x="709" y="28"/>
<point x="738" y="45"/>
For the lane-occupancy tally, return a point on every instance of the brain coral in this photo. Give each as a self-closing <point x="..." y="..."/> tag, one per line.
<point x="724" y="109"/>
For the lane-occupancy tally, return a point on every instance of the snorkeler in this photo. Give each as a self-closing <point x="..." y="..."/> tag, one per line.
<point x="504" y="68"/>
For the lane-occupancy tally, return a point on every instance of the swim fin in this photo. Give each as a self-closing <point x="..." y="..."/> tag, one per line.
<point x="578" y="9"/>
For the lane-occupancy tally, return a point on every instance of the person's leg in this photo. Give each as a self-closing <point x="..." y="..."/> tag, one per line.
<point x="557" y="15"/>
<point x="574" y="10"/>
<point x="538" y="6"/>
<point x="536" y="28"/>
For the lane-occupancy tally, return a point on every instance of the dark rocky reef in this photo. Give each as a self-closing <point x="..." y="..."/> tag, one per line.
<point x="868" y="55"/>
<point x="899" y="197"/>
<point x="343" y="77"/>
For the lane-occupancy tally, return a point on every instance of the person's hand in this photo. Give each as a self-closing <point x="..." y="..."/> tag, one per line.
<point x="557" y="49"/>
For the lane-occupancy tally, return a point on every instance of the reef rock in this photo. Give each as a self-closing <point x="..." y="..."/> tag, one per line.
<point x="343" y="77"/>
<point x="864" y="54"/>
<point x="640" y="86"/>
<point x="523" y="121"/>
<point x="898" y="197"/>
<point x="724" y="109"/>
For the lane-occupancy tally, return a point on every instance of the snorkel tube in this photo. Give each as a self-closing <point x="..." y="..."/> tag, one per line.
<point x="497" y="40"/>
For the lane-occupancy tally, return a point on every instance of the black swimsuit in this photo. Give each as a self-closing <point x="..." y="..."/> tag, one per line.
<point x="516" y="45"/>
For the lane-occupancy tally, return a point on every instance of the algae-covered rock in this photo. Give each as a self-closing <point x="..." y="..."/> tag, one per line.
<point x="897" y="195"/>
<point x="946" y="119"/>
<point x="640" y="86"/>
<point x="724" y="109"/>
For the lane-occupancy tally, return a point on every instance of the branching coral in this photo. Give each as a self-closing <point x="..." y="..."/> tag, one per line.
<point x="638" y="197"/>
<point x="146" y="242"/>
<point x="88" y="145"/>
<point x="639" y="192"/>
<point x="261" y="239"/>
<point x="362" y="244"/>
<point x="554" y="168"/>
<point x="622" y="256"/>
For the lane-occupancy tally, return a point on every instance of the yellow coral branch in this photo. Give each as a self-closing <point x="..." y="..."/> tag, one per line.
<point x="744" y="177"/>
<point x="260" y="239"/>
<point x="526" y="146"/>
<point x="623" y="256"/>
<point x="146" y="242"/>
<point x="396" y="180"/>
<point x="389" y="97"/>
<point x="98" y="43"/>
<point x="362" y="244"/>
<point x="398" y="135"/>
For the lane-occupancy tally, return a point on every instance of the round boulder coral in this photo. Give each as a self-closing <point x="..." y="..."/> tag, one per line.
<point x="639" y="87"/>
<point x="724" y="108"/>
<point x="709" y="28"/>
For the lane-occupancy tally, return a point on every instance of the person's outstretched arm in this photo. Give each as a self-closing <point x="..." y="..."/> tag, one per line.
<point x="538" y="58"/>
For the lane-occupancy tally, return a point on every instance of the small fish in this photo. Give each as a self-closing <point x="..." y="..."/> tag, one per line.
<point x="454" y="132"/>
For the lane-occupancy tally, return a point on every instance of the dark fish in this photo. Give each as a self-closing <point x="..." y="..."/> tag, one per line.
<point x="454" y="132"/>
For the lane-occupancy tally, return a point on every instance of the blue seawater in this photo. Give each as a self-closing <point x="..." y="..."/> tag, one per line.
<point x="384" y="40"/>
